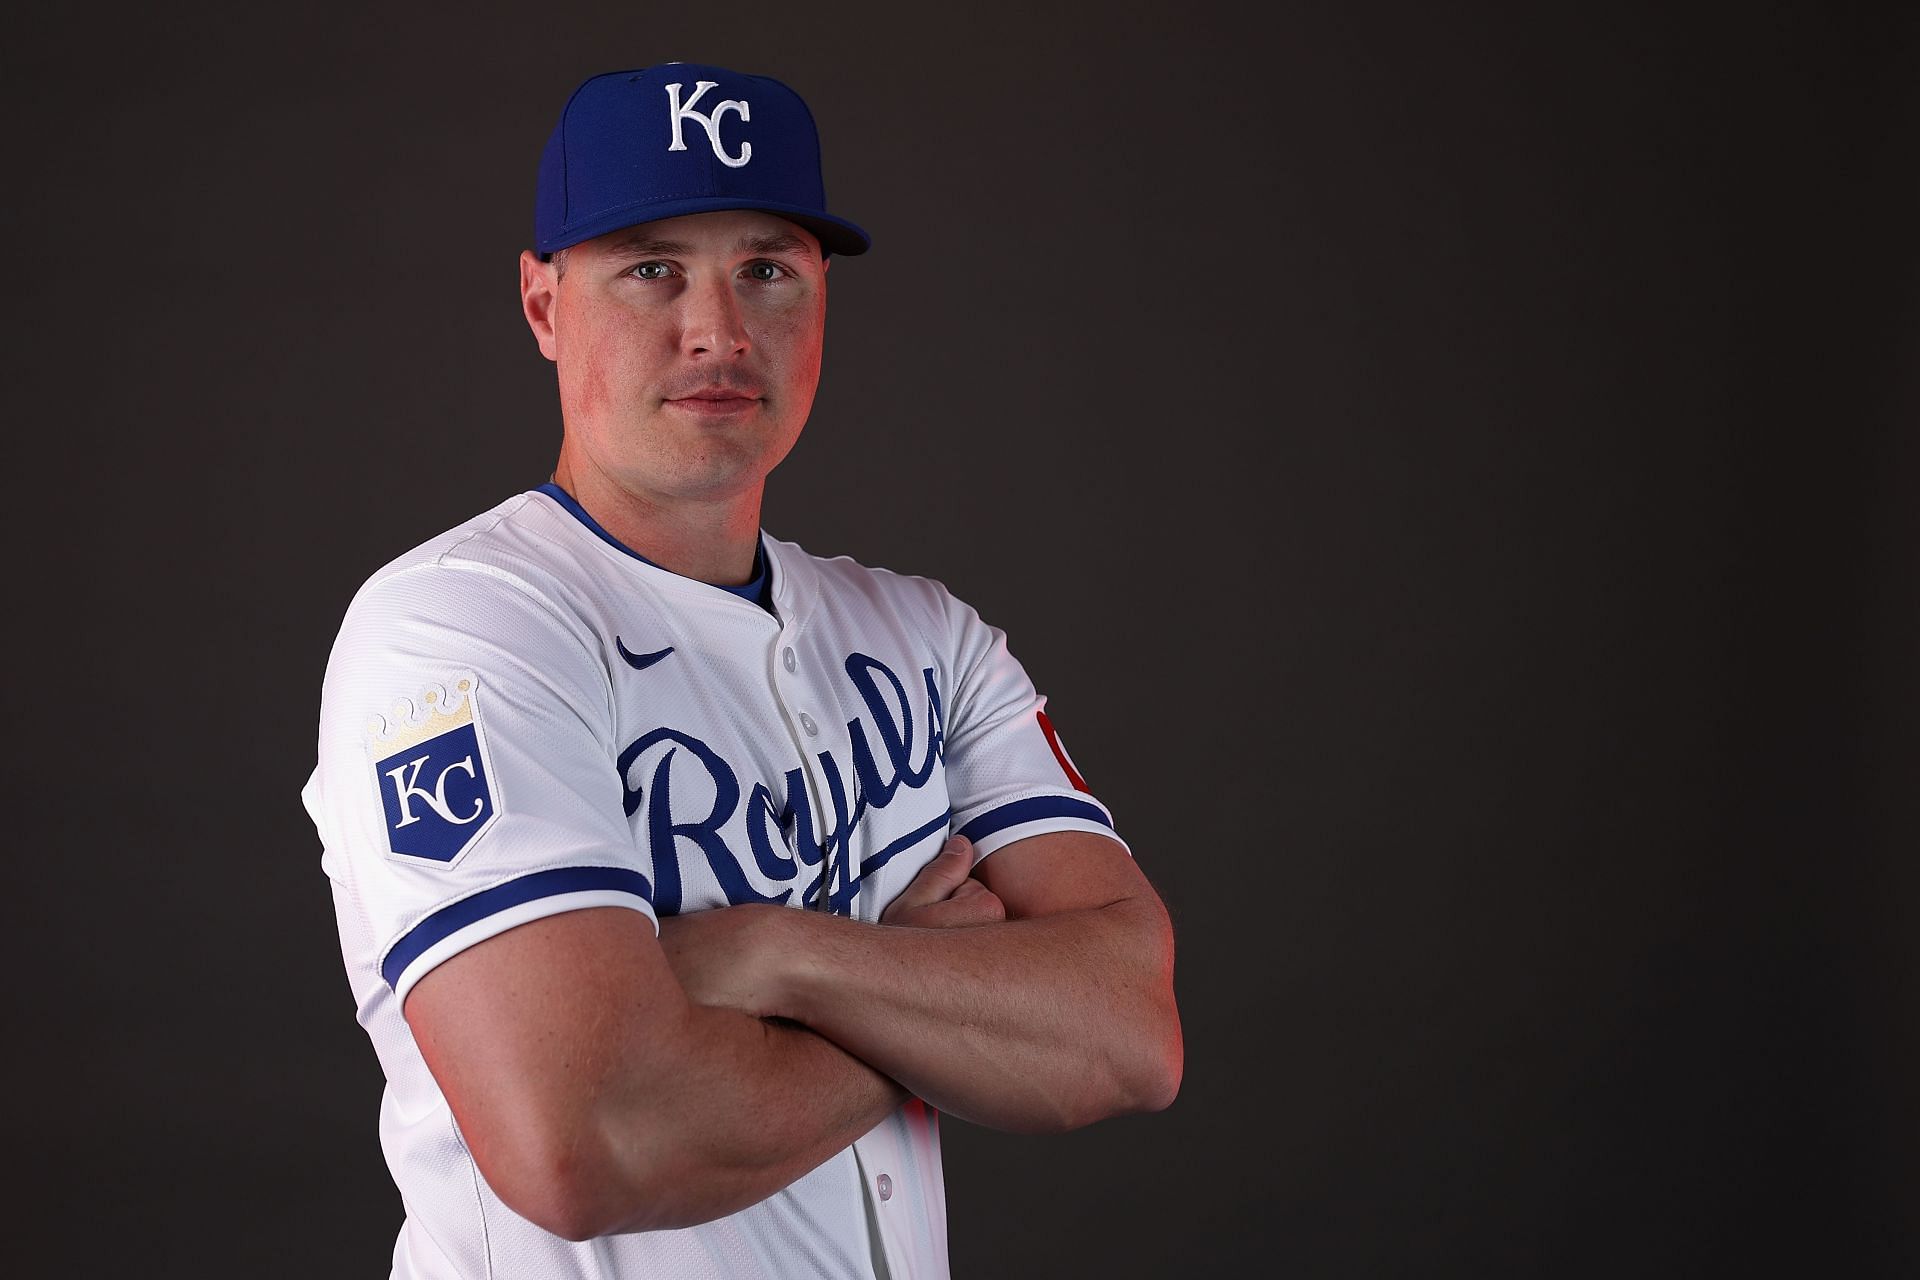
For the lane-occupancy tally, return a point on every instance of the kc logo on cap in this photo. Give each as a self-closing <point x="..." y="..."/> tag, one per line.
<point x="676" y="112"/>
<point x="627" y="151"/>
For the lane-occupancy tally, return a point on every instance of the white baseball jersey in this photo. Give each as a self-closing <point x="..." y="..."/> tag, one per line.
<point x="523" y="717"/>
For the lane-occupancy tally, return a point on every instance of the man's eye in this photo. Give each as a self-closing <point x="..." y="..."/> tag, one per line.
<point x="651" y="271"/>
<point x="765" y="272"/>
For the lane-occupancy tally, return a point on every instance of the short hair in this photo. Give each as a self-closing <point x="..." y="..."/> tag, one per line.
<point x="559" y="259"/>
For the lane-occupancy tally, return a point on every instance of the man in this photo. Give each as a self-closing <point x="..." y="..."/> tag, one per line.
<point x="660" y="848"/>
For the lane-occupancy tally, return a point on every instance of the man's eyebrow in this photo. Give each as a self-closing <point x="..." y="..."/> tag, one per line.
<point x="641" y="242"/>
<point x="775" y="242"/>
<point x="644" y="244"/>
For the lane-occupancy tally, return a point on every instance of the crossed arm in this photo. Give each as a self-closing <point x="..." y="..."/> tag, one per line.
<point x="1036" y="998"/>
<point x="608" y="1081"/>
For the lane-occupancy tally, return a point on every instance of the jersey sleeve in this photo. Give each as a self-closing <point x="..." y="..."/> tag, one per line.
<point x="1008" y="774"/>
<point x="466" y="782"/>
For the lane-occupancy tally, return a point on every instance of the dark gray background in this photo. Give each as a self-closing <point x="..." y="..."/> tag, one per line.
<point x="1451" y="469"/>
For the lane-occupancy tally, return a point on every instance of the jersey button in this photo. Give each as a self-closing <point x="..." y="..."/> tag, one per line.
<point x="806" y="722"/>
<point x="886" y="1186"/>
<point x="787" y="659"/>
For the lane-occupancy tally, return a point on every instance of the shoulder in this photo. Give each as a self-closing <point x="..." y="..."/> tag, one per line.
<point x="523" y="556"/>
<point x="841" y="582"/>
<point x="509" y="593"/>
<point x="523" y="541"/>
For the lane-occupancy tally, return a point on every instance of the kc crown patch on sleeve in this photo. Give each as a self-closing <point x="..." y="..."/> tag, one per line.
<point x="430" y="765"/>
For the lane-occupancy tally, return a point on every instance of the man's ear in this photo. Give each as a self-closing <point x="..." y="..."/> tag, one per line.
<point x="539" y="290"/>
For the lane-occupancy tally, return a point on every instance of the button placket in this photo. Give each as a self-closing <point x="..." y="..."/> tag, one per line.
<point x="790" y="689"/>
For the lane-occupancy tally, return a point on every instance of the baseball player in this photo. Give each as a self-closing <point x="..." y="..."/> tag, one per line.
<point x="683" y="877"/>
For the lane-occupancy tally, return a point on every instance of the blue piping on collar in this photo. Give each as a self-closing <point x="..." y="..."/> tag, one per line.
<point x="753" y="592"/>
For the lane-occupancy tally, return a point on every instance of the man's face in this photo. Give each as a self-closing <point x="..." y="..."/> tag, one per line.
<point x="688" y="352"/>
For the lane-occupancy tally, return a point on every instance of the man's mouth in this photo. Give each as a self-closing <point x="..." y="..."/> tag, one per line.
<point x="716" y="401"/>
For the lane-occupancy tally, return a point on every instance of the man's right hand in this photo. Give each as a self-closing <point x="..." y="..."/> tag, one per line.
<point x="944" y="895"/>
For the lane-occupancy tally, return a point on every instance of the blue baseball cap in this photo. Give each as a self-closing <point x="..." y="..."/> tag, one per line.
<point x="679" y="138"/>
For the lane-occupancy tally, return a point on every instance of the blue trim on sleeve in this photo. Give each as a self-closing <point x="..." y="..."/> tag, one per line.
<point x="540" y="884"/>
<point x="1032" y="810"/>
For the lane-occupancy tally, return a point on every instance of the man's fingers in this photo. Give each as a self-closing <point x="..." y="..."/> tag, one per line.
<point x="967" y="907"/>
<point x="937" y="880"/>
<point x="942" y="875"/>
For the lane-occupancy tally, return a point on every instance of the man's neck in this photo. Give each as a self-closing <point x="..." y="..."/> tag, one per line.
<point x="706" y="541"/>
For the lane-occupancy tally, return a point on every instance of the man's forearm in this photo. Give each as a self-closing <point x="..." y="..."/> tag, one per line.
<point x="1033" y="1025"/>
<point x="760" y="1105"/>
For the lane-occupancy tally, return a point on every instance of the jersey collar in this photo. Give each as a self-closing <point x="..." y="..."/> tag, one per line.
<point x="754" y="592"/>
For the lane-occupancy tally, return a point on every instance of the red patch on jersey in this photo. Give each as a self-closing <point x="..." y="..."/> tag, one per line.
<point x="1060" y="754"/>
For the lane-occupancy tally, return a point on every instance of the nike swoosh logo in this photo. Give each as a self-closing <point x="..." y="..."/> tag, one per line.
<point x="640" y="661"/>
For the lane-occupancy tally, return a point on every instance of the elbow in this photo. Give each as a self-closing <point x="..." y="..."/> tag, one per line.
<point x="1149" y="1077"/>
<point x="577" y="1187"/>
<point x="579" y="1208"/>
<point x="1157" y="1082"/>
<point x="1147" y="1080"/>
<point x="570" y="1219"/>
<point x="1138" y="1071"/>
<point x="624" y="1190"/>
<point x="1155" y="1060"/>
<point x="1157" y="1053"/>
<point x="557" y="1192"/>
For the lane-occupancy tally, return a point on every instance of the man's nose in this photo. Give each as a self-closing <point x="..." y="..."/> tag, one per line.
<point x="712" y="324"/>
